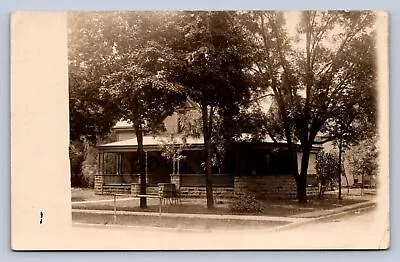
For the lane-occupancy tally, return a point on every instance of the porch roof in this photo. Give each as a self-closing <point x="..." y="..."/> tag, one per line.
<point x="150" y="143"/>
<point x="155" y="143"/>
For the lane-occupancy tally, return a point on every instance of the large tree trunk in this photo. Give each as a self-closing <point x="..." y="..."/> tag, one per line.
<point x="142" y="164"/>
<point x="301" y="184"/>
<point x="207" y="146"/>
<point x="301" y="181"/>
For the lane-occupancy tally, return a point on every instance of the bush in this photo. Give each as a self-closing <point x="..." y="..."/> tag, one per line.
<point x="83" y="163"/>
<point x="327" y="170"/>
<point x="246" y="203"/>
<point x="76" y="158"/>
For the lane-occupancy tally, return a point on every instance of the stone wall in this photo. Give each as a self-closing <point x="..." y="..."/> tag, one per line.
<point x="116" y="189"/>
<point x="200" y="192"/>
<point x="135" y="189"/>
<point x="271" y="186"/>
<point x="98" y="184"/>
<point x="312" y="191"/>
<point x="152" y="190"/>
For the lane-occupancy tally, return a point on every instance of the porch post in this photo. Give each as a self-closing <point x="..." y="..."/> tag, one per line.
<point x="120" y="162"/>
<point x="146" y="170"/>
<point x="176" y="176"/>
<point x="102" y="164"/>
<point x="98" y="164"/>
<point x="177" y="167"/>
<point x="176" y="180"/>
<point x="117" y="163"/>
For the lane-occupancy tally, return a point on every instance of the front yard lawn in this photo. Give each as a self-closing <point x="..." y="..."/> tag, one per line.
<point x="283" y="208"/>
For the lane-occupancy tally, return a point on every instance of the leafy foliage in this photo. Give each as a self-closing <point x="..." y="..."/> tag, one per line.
<point x="172" y="150"/>
<point x="141" y="66"/>
<point x="246" y="203"/>
<point x="83" y="161"/>
<point x="363" y="159"/>
<point x="211" y="54"/>
<point x="313" y="74"/>
<point x="120" y="55"/>
<point x="327" y="170"/>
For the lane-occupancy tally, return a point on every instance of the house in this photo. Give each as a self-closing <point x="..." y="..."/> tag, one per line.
<point x="259" y="167"/>
<point x="349" y="178"/>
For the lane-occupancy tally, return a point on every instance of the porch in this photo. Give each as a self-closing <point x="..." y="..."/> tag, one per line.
<point x="260" y="168"/>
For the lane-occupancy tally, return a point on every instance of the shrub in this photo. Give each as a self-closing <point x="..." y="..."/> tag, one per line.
<point x="246" y="203"/>
<point x="83" y="163"/>
<point x="76" y="158"/>
<point x="327" y="170"/>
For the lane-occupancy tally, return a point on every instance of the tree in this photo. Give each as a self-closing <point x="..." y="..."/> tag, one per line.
<point x="92" y="113"/>
<point x="363" y="159"/>
<point x="355" y="120"/>
<point x="172" y="150"/>
<point x="312" y="72"/>
<point x="211" y="57"/>
<point x="125" y="46"/>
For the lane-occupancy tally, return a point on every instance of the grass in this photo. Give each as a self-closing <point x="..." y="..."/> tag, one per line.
<point x="85" y="199"/>
<point x="284" y="208"/>
<point x="85" y="194"/>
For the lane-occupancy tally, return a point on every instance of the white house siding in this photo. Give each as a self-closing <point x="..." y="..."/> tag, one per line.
<point x="171" y="124"/>
<point x="125" y="134"/>
<point x="311" y="163"/>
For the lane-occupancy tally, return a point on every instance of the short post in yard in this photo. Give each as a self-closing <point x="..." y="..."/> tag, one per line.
<point x="160" y="210"/>
<point x="115" y="208"/>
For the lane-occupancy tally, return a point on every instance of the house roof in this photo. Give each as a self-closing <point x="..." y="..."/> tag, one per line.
<point x="154" y="143"/>
<point x="150" y="143"/>
<point x="123" y="125"/>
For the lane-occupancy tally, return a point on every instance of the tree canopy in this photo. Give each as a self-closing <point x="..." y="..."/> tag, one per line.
<point x="318" y="68"/>
<point x="313" y="73"/>
<point x="122" y="51"/>
<point x="212" y="55"/>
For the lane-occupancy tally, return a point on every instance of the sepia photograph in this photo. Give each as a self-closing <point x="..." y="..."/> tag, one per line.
<point x="233" y="129"/>
<point x="222" y="119"/>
